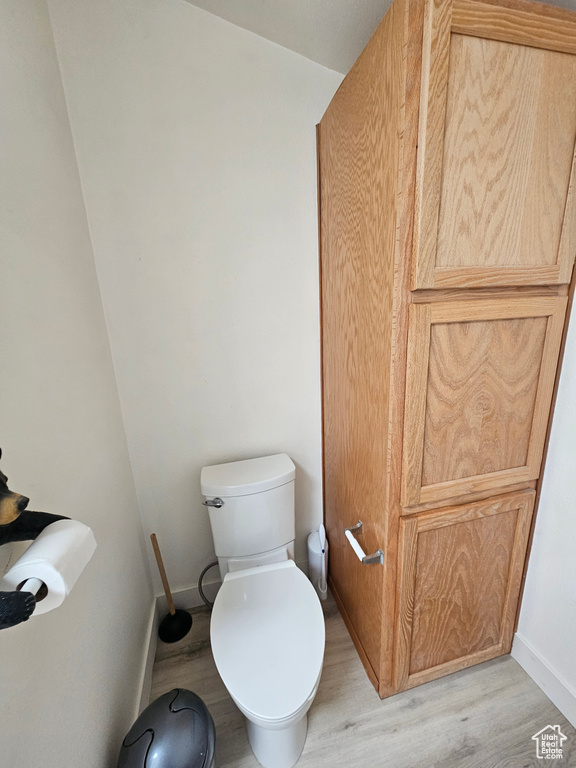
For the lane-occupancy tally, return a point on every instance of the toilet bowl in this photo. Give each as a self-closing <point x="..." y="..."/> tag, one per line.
<point x="267" y="635"/>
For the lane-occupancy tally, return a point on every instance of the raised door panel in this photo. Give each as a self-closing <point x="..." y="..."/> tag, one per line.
<point x="480" y="379"/>
<point x="496" y="204"/>
<point x="459" y="583"/>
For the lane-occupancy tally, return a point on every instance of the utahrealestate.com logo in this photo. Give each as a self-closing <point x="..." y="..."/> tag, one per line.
<point x="549" y="743"/>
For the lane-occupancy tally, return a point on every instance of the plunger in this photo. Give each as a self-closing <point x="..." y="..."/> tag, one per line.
<point x="177" y="623"/>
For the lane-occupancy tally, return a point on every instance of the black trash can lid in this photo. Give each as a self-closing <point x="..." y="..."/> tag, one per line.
<point x="175" y="731"/>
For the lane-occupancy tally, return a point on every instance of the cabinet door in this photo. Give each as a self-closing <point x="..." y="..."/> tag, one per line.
<point x="460" y="571"/>
<point x="480" y="378"/>
<point x="496" y="203"/>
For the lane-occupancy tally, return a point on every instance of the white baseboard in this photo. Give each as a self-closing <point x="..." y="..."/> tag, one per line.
<point x="148" y="665"/>
<point x="558" y="691"/>
<point x="185" y="598"/>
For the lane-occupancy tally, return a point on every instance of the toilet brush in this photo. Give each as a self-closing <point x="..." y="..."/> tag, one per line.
<point x="177" y="623"/>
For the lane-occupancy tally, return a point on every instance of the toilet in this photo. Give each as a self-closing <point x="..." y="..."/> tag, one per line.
<point x="267" y="626"/>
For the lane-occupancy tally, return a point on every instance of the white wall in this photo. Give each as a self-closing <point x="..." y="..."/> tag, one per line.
<point x="546" y="640"/>
<point x="196" y="148"/>
<point x="70" y="678"/>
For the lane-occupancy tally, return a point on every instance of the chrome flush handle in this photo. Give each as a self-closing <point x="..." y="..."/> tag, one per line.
<point x="214" y="503"/>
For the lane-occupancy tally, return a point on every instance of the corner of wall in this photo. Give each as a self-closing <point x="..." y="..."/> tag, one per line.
<point x="546" y="677"/>
<point x="148" y="660"/>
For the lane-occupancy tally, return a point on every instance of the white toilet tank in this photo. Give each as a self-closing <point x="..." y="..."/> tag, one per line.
<point x="257" y="514"/>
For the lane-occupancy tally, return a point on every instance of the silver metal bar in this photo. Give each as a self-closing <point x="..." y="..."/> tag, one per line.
<point x="375" y="557"/>
<point x="213" y="503"/>
<point x="357" y="527"/>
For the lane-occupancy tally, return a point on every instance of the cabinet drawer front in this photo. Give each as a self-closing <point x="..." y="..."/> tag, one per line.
<point x="496" y="204"/>
<point x="480" y="378"/>
<point x="459" y="582"/>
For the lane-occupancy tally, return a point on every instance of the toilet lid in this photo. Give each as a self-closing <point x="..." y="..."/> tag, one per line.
<point x="267" y="635"/>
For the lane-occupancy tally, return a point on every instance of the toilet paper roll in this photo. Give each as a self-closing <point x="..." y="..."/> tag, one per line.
<point x="57" y="557"/>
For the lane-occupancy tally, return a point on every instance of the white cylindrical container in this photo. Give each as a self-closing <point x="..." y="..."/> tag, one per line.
<point x="315" y="562"/>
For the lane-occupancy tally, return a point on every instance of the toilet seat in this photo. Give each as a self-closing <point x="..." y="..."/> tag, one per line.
<point x="267" y="635"/>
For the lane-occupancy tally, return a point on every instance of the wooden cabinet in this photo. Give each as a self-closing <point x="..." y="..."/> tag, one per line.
<point x="495" y="167"/>
<point x="447" y="239"/>
<point x="459" y="578"/>
<point x="478" y="392"/>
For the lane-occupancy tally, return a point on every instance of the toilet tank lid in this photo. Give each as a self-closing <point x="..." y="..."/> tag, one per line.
<point x="240" y="478"/>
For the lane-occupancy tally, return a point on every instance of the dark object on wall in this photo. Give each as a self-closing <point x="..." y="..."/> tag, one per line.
<point x="177" y="623"/>
<point x="18" y="524"/>
<point x="175" y="731"/>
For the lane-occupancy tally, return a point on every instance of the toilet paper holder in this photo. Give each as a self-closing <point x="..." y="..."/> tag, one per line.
<point x="42" y="585"/>
<point x="49" y="569"/>
<point x="375" y="557"/>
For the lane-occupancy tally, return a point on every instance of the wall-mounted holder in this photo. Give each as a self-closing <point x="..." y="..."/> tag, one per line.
<point x="376" y="557"/>
<point x="46" y="572"/>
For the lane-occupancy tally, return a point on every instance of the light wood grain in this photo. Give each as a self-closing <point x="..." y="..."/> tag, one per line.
<point x="370" y="672"/>
<point x="359" y="155"/>
<point x="519" y="555"/>
<point x="540" y="9"/>
<point x="383" y="166"/>
<point x="459" y="581"/>
<point x="481" y="393"/>
<point x="485" y="293"/>
<point x="415" y="407"/>
<point x="470" y="497"/>
<point x="407" y="561"/>
<point x="567" y="247"/>
<point x="433" y="95"/>
<point x="496" y="147"/>
<point x="349" y="725"/>
<point x="412" y="60"/>
<point x="510" y="607"/>
<point x="493" y="481"/>
<point x="463" y="513"/>
<point x="479" y="388"/>
<point x="477" y="310"/>
<point x="472" y="277"/>
<point x="527" y="25"/>
<point x="507" y="158"/>
<point x="545" y="391"/>
<point x="455" y="665"/>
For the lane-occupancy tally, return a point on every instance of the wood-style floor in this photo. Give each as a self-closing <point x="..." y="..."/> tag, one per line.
<point x="483" y="717"/>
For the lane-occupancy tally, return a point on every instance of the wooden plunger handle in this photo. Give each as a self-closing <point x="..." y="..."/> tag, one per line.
<point x="165" y="584"/>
